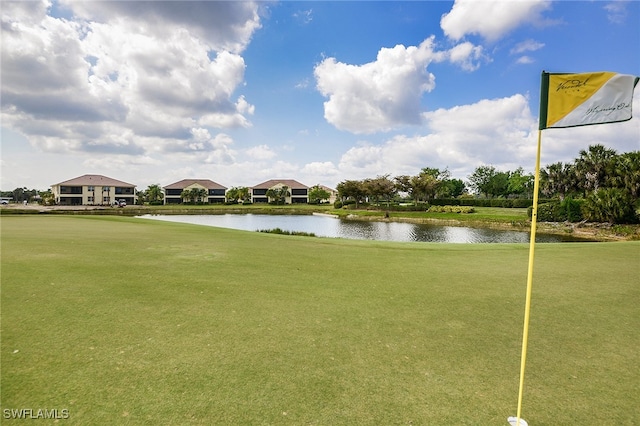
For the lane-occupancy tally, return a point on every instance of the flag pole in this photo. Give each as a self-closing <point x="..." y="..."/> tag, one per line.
<point x="527" y="308"/>
<point x="570" y="110"/>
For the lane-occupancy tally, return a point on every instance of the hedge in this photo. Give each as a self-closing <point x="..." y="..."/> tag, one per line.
<point x="568" y="210"/>
<point x="467" y="202"/>
<point x="484" y="202"/>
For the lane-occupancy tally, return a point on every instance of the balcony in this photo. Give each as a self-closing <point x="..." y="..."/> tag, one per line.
<point x="71" y="190"/>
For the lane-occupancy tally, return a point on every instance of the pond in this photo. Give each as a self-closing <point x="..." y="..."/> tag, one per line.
<point x="333" y="227"/>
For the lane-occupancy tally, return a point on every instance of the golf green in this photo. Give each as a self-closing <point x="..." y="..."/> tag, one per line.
<point x="116" y="320"/>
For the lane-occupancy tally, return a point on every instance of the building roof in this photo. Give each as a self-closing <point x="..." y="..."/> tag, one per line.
<point x="95" y="180"/>
<point x="293" y="184"/>
<point x="209" y="184"/>
<point x="326" y="188"/>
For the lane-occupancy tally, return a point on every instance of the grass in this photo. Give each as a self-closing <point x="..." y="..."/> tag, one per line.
<point x="126" y="321"/>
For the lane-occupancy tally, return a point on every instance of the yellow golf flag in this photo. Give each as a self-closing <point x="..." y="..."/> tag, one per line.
<point x="569" y="100"/>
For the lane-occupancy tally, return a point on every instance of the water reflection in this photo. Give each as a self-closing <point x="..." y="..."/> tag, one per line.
<point x="326" y="226"/>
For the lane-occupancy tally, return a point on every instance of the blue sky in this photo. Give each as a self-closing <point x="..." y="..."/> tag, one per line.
<point x="320" y="92"/>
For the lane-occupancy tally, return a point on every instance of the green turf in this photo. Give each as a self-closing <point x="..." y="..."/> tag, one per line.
<point x="128" y="321"/>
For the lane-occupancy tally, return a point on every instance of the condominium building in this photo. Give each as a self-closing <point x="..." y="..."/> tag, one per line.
<point x="199" y="190"/>
<point x="298" y="192"/>
<point x="93" y="190"/>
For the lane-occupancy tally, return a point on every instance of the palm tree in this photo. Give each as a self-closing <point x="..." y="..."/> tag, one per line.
<point x="185" y="195"/>
<point x="279" y="195"/>
<point x="625" y="173"/>
<point x="197" y="195"/>
<point x="557" y="179"/>
<point x="154" y="193"/>
<point x="592" y="165"/>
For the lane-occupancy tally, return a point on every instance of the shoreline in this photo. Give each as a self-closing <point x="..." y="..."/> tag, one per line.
<point x="602" y="232"/>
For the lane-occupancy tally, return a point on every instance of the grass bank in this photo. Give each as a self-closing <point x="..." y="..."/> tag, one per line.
<point x="126" y="321"/>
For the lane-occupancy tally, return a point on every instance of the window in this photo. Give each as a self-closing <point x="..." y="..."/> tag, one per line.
<point x="90" y="199"/>
<point x="106" y="189"/>
<point x="71" y="190"/>
<point x="91" y="188"/>
<point x="106" y="199"/>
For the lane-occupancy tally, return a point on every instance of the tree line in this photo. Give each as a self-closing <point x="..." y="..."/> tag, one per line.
<point x="432" y="183"/>
<point x="600" y="185"/>
<point x="20" y="195"/>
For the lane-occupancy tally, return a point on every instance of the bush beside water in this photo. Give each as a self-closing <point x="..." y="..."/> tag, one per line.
<point x="609" y="205"/>
<point x="284" y="232"/>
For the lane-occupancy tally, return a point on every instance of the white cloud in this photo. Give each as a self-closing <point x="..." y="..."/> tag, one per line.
<point x="616" y="11"/>
<point x="304" y="16"/>
<point x="525" y="60"/>
<point x="118" y="163"/>
<point x="499" y="131"/>
<point x="364" y="157"/>
<point x="321" y="172"/>
<point x="385" y="94"/>
<point x="325" y="168"/>
<point x="467" y="56"/>
<point x="124" y="81"/>
<point x="260" y="152"/>
<point x="490" y="19"/>
<point x="222" y="26"/>
<point x="303" y="84"/>
<point x="526" y="46"/>
<point x="380" y="95"/>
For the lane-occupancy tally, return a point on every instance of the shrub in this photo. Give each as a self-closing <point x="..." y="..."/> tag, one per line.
<point x="337" y="205"/>
<point x="571" y="210"/>
<point x="451" y="209"/>
<point x="547" y="212"/>
<point x="283" y="232"/>
<point x="613" y="205"/>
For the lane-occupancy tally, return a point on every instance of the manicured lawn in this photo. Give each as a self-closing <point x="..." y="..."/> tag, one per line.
<point x="125" y="321"/>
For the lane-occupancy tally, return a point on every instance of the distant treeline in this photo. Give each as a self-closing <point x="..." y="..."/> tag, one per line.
<point x="600" y="185"/>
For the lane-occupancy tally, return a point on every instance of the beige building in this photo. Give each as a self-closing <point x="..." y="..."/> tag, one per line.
<point x="93" y="190"/>
<point x="210" y="191"/>
<point x="298" y="193"/>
